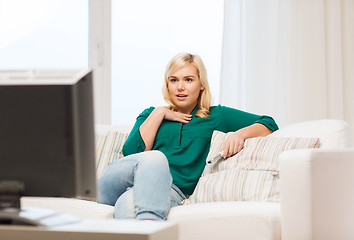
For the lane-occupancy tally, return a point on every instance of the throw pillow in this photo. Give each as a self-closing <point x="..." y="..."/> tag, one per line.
<point x="250" y="175"/>
<point x="109" y="144"/>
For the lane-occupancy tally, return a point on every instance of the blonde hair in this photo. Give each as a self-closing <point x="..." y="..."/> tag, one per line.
<point x="179" y="61"/>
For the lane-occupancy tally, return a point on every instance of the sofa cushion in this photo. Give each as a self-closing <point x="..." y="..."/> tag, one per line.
<point x="250" y="175"/>
<point x="332" y="133"/>
<point x="228" y="220"/>
<point x="109" y="144"/>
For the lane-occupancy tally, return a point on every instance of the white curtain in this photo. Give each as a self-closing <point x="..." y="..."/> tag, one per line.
<point x="291" y="59"/>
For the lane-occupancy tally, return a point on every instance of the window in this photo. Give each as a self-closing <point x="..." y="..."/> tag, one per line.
<point x="54" y="34"/>
<point x="146" y="35"/>
<point x="46" y="34"/>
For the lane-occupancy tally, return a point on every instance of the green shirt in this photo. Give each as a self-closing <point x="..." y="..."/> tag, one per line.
<point x="186" y="145"/>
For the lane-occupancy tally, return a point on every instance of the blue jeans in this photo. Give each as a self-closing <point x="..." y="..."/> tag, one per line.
<point x="139" y="186"/>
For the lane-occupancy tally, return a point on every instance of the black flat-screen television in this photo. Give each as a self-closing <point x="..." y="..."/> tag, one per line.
<point x="47" y="145"/>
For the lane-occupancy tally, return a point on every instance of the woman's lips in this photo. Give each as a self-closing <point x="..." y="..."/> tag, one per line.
<point x="181" y="96"/>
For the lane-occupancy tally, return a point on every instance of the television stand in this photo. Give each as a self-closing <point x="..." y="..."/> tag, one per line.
<point x="13" y="217"/>
<point x="31" y="216"/>
<point x="10" y="203"/>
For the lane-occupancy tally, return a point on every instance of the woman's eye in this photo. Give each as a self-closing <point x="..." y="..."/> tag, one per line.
<point x="173" y="80"/>
<point x="189" y="79"/>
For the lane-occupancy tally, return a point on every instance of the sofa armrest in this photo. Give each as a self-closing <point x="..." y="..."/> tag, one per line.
<point x="317" y="194"/>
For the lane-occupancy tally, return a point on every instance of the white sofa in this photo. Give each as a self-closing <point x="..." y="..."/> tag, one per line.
<point x="316" y="196"/>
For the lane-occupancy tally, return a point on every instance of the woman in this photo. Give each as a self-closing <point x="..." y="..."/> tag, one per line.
<point x="166" y="150"/>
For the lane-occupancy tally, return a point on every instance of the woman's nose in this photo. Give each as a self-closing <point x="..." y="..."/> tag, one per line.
<point x="180" y="86"/>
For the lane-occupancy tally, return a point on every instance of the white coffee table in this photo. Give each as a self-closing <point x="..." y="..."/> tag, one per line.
<point x="95" y="229"/>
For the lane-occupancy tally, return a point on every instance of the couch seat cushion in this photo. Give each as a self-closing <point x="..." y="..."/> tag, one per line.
<point x="228" y="220"/>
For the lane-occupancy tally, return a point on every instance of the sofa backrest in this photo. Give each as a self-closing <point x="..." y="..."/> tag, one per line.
<point x="332" y="133"/>
<point x="109" y="144"/>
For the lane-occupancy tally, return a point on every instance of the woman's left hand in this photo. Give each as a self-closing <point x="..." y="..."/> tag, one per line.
<point x="233" y="144"/>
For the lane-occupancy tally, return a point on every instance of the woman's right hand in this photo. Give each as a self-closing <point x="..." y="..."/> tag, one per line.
<point x="174" y="116"/>
<point x="151" y="125"/>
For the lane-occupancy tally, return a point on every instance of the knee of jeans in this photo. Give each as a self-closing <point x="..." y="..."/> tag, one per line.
<point x="155" y="162"/>
<point x="156" y="157"/>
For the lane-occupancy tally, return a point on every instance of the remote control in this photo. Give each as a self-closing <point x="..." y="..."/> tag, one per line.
<point x="215" y="159"/>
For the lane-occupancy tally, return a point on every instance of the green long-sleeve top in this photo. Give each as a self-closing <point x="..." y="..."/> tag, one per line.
<point x="186" y="145"/>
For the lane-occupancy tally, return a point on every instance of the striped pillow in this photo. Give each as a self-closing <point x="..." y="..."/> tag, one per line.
<point x="250" y="175"/>
<point x="109" y="144"/>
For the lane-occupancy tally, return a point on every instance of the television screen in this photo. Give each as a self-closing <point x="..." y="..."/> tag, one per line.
<point x="47" y="143"/>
